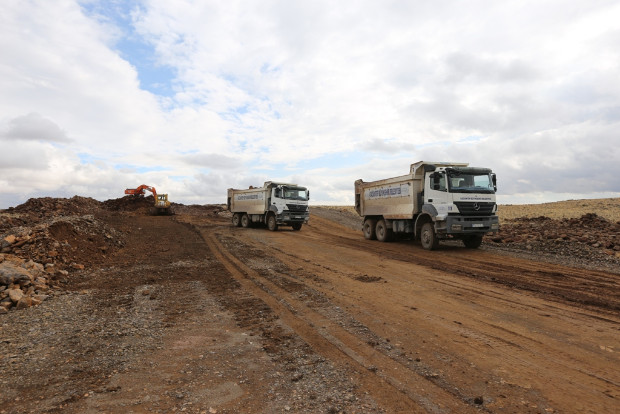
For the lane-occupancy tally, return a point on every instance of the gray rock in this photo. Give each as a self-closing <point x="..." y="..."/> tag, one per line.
<point x="9" y="273"/>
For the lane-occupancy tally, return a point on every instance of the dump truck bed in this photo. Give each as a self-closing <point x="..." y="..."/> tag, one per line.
<point x="250" y="201"/>
<point x="392" y="198"/>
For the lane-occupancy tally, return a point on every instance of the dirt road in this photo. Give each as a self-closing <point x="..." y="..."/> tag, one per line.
<point x="195" y="315"/>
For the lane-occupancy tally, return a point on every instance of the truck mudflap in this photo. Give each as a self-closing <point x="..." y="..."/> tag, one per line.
<point x="455" y="224"/>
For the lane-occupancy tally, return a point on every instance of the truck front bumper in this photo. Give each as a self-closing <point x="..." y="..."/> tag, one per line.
<point x="289" y="217"/>
<point x="468" y="225"/>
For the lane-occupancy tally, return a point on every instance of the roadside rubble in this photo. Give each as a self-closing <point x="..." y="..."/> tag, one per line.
<point x="44" y="240"/>
<point x="589" y="240"/>
<point x="22" y="283"/>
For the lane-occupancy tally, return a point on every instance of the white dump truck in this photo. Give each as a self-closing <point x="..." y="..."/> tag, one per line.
<point x="274" y="204"/>
<point x="435" y="201"/>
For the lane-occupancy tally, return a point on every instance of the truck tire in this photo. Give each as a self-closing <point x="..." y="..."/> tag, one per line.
<point x="369" y="229"/>
<point x="384" y="234"/>
<point x="272" y="224"/>
<point x="297" y="226"/>
<point x="245" y="221"/>
<point x="472" y="242"/>
<point x="428" y="238"/>
<point x="236" y="220"/>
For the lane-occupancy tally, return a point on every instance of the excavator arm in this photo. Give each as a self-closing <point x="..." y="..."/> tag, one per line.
<point x="140" y="190"/>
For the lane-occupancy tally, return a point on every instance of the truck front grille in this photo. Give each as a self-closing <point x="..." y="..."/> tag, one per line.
<point x="296" y="207"/>
<point x="475" y="208"/>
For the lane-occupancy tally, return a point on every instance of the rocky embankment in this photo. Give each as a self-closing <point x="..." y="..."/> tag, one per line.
<point x="589" y="240"/>
<point x="46" y="239"/>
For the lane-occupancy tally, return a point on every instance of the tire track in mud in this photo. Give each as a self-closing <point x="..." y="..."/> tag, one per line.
<point x="393" y="385"/>
<point x="525" y="347"/>
<point x="591" y="289"/>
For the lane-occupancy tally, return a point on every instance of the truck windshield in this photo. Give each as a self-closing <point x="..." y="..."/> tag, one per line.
<point x="470" y="182"/>
<point x="295" y="193"/>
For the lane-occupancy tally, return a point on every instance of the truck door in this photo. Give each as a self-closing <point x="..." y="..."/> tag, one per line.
<point x="272" y="199"/>
<point x="435" y="188"/>
<point x="277" y="202"/>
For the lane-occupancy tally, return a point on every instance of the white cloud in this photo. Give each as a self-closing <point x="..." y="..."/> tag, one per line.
<point x="33" y="127"/>
<point x="282" y="89"/>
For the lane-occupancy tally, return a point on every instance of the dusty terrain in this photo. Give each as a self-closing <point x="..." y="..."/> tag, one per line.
<point x="125" y="312"/>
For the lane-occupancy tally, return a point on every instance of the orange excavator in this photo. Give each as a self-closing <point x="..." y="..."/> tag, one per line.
<point x="162" y="205"/>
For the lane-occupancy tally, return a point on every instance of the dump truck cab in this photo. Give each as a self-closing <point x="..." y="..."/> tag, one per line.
<point x="461" y="200"/>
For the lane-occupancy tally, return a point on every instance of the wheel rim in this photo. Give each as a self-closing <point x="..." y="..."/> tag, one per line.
<point x="426" y="239"/>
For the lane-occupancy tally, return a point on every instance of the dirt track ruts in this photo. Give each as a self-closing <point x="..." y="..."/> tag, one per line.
<point x="327" y="338"/>
<point x="450" y="330"/>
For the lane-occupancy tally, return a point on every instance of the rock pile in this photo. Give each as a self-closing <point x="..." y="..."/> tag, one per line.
<point x="589" y="237"/>
<point x="22" y="283"/>
<point x="43" y="240"/>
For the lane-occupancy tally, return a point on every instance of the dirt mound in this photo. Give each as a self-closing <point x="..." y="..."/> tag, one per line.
<point x="129" y="203"/>
<point x="50" y="238"/>
<point x="343" y="215"/>
<point x="46" y="239"/>
<point x="587" y="239"/>
<point x="46" y="207"/>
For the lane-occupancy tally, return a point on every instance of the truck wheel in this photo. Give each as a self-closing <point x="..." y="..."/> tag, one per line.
<point x="236" y="220"/>
<point x="296" y="226"/>
<point x="369" y="229"/>
<point x="245" y="221"/>
<point x="428" y="237"/>
<point x="272" y="224"/>
<point x="472" y="242"/>
<point x="384" y="234"/>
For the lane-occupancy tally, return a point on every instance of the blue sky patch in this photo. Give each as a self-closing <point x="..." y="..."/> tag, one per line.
<point x="154" y="76"/>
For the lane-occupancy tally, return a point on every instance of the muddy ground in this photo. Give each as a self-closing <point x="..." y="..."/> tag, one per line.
<point x="185" y="313"/>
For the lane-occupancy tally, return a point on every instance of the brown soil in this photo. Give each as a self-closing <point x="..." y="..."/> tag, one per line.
<point x="186" y="313"/>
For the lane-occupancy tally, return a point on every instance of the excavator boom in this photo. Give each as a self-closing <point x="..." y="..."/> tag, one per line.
<point x="140" y="190"/>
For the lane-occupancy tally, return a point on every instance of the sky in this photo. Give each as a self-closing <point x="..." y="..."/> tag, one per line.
<point x="194" y="97"/>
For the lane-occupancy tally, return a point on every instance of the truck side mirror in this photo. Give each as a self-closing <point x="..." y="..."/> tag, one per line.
<point x="494" y="179"/>
<point x="308" y="195"/>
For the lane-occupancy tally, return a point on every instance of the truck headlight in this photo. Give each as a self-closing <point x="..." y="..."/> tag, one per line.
<point x="457" y="227"/>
